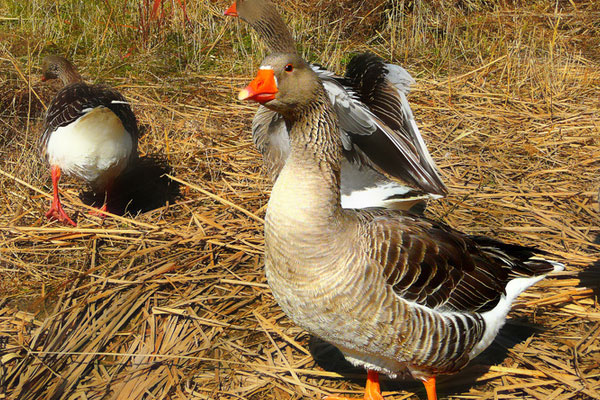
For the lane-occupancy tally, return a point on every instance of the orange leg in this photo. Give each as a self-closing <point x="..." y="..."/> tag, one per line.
<point x="372" y="390"/>
<point x="56" y="211"/>
<point x="101" y="212"/>
<point x="430" y="388"/>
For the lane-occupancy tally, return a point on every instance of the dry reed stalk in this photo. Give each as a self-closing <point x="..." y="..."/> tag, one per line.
<point x="171" y="301"/>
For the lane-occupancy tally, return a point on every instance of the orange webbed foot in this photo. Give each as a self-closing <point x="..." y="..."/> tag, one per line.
<point x="56" y="212"/>
<point x="430" y="388"/>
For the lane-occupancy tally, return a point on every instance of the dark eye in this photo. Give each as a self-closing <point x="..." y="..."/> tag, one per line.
<point x="289" y="68"/>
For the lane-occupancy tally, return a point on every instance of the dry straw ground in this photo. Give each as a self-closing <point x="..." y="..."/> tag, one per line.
<point x="169" y="300"/>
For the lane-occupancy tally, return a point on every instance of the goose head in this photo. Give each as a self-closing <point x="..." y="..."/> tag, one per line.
<point x="57" y="67"/>
<point x="285" y="83"/>
<point x="249" y="11"/>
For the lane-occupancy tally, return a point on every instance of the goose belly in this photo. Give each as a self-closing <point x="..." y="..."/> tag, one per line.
<point x="96" y="147"/>
<point x="325" y="301"/>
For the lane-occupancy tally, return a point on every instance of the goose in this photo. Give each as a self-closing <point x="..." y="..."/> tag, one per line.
<point x="89" y="132"/>
<point x="383" y="148"/>
<point x="395" y="292"/>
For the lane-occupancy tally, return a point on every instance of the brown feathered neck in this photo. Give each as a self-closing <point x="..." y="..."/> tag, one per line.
<point x="315" y="140"/>
<point x="57" y="67"/>
<point x="266" y="21"/>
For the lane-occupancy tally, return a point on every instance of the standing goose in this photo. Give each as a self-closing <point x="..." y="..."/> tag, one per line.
<point x="393" y="292"/>
<point x="89" y="132"/>
<point x="380" y="138"/>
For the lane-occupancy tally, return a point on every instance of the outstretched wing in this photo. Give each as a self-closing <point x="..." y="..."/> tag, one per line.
<point x="396" y="146"/>
<point x="377" y="123"/>
<point x="377" y="126"/>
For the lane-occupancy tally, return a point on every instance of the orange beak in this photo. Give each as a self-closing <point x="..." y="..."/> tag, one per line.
<point x="232" y="11"/>
<point x="262" y="89"/>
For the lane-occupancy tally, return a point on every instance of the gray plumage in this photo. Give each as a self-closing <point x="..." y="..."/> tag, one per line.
<point x="76" y="99"/>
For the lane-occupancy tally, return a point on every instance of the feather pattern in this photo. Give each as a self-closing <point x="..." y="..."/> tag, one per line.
<point x="367" y="141"/>
<point x="270" y="136"/>
<point x="433" y="265"/>
<point x="393" y="292"/>
<point x="362" y="186"/>
<point x="397" y="141"/>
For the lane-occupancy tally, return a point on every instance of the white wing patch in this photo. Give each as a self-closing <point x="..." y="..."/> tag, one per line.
<point x="375" y="196"/>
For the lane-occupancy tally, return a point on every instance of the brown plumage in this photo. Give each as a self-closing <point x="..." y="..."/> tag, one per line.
<point x="393" y="292"/>
<point x="265" y="20"/>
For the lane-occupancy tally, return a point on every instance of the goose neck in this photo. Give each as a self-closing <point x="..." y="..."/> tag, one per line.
<point x="308" y="187"/>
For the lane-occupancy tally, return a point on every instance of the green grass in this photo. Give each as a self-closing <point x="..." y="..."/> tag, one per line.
<point x="100" y="36"/>
<point x="103" y="36"/>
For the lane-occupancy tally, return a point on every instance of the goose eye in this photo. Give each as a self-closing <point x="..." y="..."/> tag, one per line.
<point x="289" y="68"/>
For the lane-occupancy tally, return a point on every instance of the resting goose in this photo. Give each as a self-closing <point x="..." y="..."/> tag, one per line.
<point x="381" y="141"/>
<point x="89" y="132"/>
<point x="393" y="291"/>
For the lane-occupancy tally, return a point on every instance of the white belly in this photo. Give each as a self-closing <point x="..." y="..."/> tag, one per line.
<point x="96" y="147"/>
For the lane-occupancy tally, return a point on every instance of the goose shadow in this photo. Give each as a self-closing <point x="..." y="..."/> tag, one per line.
<point x="143" y="187"/>
<point x="515" y="331"/>
<point x="589" y="277"/>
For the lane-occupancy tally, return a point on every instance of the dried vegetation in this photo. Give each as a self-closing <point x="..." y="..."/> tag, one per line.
<point x="169" y="299"/>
